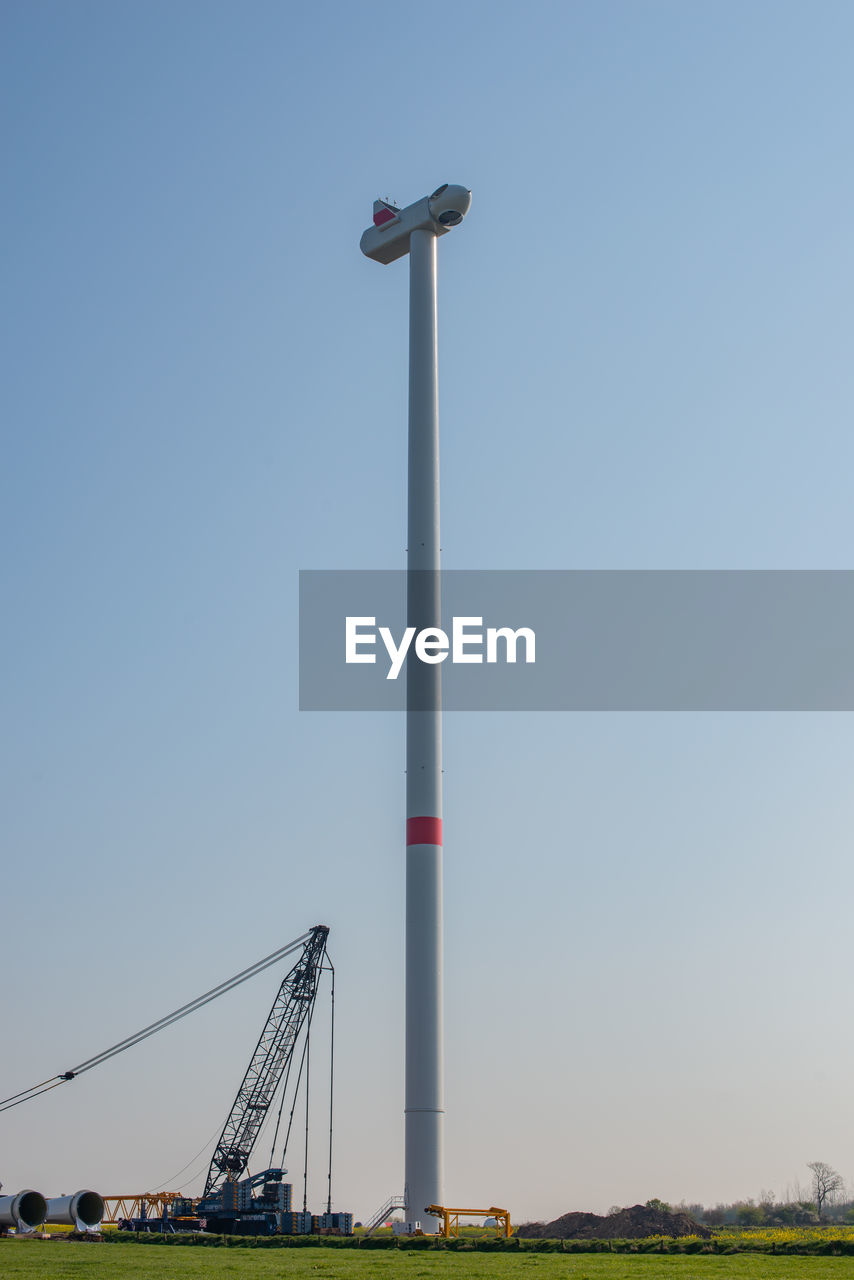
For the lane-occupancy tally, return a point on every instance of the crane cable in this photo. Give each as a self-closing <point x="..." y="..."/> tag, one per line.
<point x="307" y="1084"/>
<point x="281" y="1109"/>
<point x="165" y="1181"/>
<point x="331" y="1075"/>
<point x="26" y="1095"/>
<point x="296" y="1090"/>
<point x="299" y="1080"/>
<point x="285" y="1091"/>
<point x="331" y="969"/>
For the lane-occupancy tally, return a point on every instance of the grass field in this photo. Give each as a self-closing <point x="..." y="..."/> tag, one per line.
<point x="71" y="1261"/>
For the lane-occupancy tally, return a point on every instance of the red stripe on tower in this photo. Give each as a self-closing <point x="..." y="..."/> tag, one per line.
<point x="423" y="831"/>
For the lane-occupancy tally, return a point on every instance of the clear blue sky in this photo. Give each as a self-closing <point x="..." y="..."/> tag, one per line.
<point x="645" y="363"/>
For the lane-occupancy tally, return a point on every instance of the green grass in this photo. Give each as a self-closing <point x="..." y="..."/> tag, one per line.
<point x="72" y="1261"/>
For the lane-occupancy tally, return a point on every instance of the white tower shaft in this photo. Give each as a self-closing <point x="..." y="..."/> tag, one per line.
<point x="424" y="1159"/>
<point x="395" y="233"/>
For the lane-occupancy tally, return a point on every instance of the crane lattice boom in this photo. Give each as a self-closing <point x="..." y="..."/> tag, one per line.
<point x="290" y="1009"/>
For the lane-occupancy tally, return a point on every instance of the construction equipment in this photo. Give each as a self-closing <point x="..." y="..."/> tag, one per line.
<point x="292" y="1005"/>
<point x="261" y="1203"/>
<point x="230" y="1203"/>
<point x="451" y="1219"/>
<point x="132" y="1208"/>
<point x="258" y="1204"/>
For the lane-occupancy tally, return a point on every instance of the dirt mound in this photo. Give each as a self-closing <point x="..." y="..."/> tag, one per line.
<point x="626" y="1224"/>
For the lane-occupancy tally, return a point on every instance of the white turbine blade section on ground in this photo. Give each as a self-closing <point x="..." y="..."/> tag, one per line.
<point x="23" y="1211"/>
<point x="84" y="1210"/>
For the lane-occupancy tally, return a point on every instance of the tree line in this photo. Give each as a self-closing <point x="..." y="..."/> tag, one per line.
<point x="823" y="1200"/>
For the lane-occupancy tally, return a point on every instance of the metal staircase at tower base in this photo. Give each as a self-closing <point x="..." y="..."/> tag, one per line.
<point x="393" y="1202"/>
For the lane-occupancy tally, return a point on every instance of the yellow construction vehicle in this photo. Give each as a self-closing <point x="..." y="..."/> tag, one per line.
<point x="451" y="1219"/>
<point x="156" y="1205"/>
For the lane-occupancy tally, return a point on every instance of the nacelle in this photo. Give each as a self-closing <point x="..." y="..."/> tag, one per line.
<point x="388" y="239"/>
